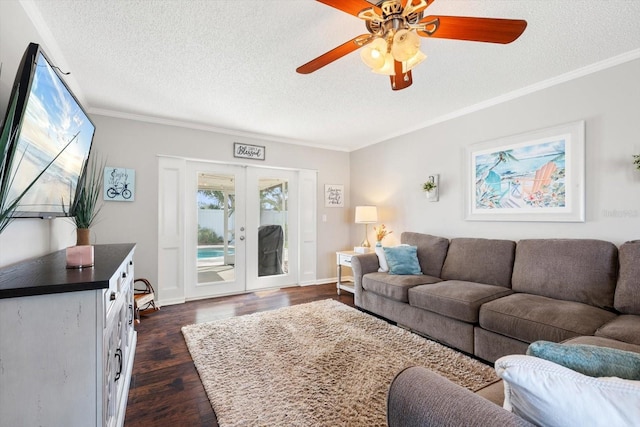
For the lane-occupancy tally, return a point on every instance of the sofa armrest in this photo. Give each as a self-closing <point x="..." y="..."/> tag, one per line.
<point x="419" y="397"/>
<point x="362" y="264"/>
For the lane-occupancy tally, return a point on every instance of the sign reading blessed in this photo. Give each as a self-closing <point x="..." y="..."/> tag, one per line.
<point x="247" y="151"/>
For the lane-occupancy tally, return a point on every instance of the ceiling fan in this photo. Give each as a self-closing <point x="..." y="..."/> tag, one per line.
<point x="392" y="45"/>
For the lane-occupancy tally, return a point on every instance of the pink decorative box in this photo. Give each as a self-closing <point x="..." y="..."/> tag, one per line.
<point x="80" y="256"/>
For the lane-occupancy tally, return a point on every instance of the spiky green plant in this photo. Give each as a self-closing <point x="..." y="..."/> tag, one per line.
<point x="86" y="207"/>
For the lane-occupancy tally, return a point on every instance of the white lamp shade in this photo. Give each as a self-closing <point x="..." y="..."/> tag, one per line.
<point x="366" y="214"/>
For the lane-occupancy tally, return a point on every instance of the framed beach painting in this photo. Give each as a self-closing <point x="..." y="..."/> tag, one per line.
<point x="537" y="176"/>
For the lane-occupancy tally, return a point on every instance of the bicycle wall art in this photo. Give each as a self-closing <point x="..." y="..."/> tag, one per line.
<point x="119" y="184"/>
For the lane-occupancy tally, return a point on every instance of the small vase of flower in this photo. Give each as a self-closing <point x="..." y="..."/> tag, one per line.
<point x="381" y="233"/>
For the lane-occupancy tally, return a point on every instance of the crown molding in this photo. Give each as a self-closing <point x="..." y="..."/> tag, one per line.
<point x="527" y="90"/>
<point x="208" y="128"/>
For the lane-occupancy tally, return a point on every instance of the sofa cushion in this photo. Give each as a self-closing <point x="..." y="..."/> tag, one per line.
<point x="531" y="318"/>
<point x="402" y="259"/>
<point x="419" y="397"/>
<point x="603" y="342"/>
<point x="393" y="286"/>
<point x="455" y="298"/>
<point x="590" y="360"/>
<point x="627" y="295"/>
<point x="480" y="260"/>
<point x="580" y="270"/>
<point x="625" y="327"/>
<point x="431" y="251"/>
<point x="548" y="394"/>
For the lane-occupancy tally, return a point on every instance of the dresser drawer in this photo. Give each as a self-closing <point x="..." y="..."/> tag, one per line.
<point x="344" y="259"/>
<point x="120" y="285"/>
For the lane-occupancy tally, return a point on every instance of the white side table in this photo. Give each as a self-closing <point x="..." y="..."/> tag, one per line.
<point x="344" y="258"/>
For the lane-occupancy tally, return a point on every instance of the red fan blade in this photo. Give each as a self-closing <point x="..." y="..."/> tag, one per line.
<point x="336" y="53"/>
<point x="489" y="30"/>
<point x="352" y="7"/>
<point x="400" y="80"/>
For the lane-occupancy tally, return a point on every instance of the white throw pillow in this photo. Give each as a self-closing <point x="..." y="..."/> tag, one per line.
<point x="549" y="394"/>
<point x="382" y="260"/>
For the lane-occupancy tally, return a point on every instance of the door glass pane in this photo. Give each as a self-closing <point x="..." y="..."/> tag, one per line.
<point x="216" y="225"/>
<point x="273" y="257"/>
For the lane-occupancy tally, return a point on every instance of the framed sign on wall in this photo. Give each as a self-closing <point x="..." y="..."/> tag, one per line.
<point x="333" y="196"/>
<point x="247" y="151"/>
<point x="119" y="184"/>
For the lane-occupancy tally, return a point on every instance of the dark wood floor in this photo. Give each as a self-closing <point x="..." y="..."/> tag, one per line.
<point x="165" y="387"/>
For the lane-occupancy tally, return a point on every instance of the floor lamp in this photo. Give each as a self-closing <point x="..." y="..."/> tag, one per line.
<point x="366" y="215"/>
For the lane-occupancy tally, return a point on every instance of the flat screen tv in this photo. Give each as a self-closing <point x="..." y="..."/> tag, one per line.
<point x="48" y="120"/>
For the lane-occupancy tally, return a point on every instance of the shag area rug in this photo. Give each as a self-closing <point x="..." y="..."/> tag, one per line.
<point x="317" y="364"/>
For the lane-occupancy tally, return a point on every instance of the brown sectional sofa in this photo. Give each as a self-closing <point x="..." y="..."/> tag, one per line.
<point x="491" y="298"/>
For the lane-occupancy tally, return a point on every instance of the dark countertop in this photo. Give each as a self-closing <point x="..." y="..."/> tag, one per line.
<point x="49" y="274"/>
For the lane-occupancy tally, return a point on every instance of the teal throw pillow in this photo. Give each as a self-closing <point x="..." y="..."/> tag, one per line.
<point x="402" y="260"/>
<point x="591" y="360"/>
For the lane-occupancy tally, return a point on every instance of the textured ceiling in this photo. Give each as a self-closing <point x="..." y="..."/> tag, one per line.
<point x="230" y="65"/>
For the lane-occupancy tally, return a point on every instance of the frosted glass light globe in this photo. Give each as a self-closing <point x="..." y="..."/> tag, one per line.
<point x="406" y="44"/>
<point x="374" y="53"/>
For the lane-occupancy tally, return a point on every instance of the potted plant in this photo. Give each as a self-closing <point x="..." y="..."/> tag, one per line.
<point x="636" y="161"/>
<point x="429" y="186"/>
<point x="86" y="207"/>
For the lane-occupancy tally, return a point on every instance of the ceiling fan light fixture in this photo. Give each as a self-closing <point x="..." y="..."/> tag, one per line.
<point x="406" y="44"/>
<point x="387" y="67"/>
<point x="375" y="53"/>
<point x="392" y="45"/>
<point x="413" y="61"/>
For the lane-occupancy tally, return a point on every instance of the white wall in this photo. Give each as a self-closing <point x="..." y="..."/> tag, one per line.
<point x="608" y="101"/>
<point x="24" y="238"/>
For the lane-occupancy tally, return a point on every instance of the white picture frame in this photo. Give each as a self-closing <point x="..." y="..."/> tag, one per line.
<point x="534" y="176"/>
<point x="333" y="196"/>
<point x="248" y="151"/>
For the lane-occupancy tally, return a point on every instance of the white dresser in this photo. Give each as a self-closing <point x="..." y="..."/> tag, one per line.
<point x="67" y="341"/>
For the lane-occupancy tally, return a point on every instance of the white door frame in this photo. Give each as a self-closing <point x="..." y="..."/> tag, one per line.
<point x="172" y="191"/>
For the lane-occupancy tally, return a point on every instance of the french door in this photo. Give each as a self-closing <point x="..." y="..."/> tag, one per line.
<point x="241" y="229"/>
